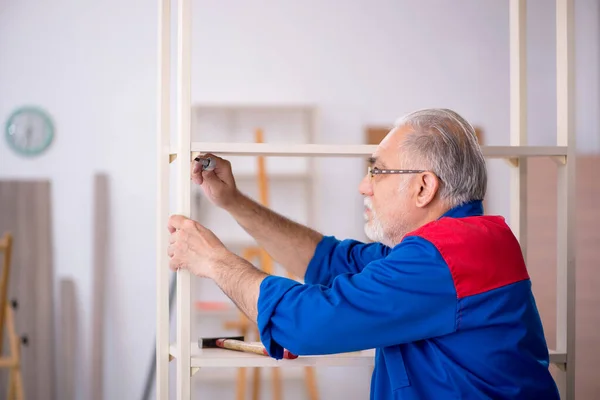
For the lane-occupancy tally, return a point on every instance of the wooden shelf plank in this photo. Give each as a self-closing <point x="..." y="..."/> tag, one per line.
<point x="283" y="149"/>
<point x="253" y="107"/>
<point x="356" y="150"/>
<point x="221" y="358"/>
<point x="229" y="358"/>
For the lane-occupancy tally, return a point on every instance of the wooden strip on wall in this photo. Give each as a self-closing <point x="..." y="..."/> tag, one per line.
<point x="68" y="339"/>
<point x="26" y="212"/>
<point x="44" y="288"/>
<point x="100" y="228"/>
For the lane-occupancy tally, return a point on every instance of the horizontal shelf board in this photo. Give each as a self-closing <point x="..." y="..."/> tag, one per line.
<point x="253" y="106"/>
<point x="523" y="151"/>
<point x="355" y="150"/>
<point x="557" y="358"/>
<point x="283" y="149"/>
<point x="230" y="358"/>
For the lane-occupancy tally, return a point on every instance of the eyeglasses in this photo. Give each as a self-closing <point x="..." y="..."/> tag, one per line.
<point x="372" y="171"/>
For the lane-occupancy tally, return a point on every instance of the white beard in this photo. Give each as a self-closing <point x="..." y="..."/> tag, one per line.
<point x="390" y="233"/>
<point x="374" y="229"/>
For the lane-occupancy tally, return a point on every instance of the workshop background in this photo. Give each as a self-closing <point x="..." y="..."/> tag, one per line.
<point x="92" y="68"/>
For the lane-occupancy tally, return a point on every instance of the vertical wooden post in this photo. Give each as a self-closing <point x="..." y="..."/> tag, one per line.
<point x="184" y="15"/>
<point x="162" y="198"/>
<point x="518" y="120"/>
<point x="101" y="199"/>
<point x="565" y="285"/>
<point x="69" y="334"/>
<point x="263" y="189"/>
<point x="6" y="246"/>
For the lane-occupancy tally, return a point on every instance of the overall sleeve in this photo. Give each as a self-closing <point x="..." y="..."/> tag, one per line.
<point x="334" y="257"/>
<point x="404" y="297"/>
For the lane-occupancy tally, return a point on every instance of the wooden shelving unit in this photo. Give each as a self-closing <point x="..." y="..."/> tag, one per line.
<point x="185" y="353"/>
<point x="289" y="183"/>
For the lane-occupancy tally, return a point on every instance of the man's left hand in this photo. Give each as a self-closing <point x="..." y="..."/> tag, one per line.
<point x="194" y="247"/>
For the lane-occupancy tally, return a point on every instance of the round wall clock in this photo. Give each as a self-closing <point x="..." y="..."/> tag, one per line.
<point x="29" y="131"/>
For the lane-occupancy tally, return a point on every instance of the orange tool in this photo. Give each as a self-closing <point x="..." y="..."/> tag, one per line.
<point x="238" y="343"/>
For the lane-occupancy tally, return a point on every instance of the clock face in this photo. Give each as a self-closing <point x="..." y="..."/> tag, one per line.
<point x="29" y="131"/>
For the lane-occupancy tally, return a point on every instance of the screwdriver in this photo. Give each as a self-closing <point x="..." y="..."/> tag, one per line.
<point x="207" y="163"/>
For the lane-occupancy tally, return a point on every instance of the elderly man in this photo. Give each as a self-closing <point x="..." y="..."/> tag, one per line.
<point x="442" y="293"/>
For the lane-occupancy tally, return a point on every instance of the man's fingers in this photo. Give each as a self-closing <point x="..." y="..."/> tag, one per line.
<point x="218" y="160"/>
<point x="176" y="222"/>
<point x="210" y="176"/>
<point x="221" y="165"/>
<point x="171" y="229"/>
<point x="196" y="167"/>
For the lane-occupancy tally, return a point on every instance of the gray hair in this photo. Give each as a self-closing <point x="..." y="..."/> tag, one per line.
<point x="447" y="145"/>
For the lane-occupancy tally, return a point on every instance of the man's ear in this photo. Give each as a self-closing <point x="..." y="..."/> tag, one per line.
<point x="429" y="186"/>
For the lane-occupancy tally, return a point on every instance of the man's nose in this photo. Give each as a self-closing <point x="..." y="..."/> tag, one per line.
<point x="365" y="187"/>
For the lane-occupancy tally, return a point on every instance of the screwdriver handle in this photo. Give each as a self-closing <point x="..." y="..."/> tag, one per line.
<point x="208" y="164"/>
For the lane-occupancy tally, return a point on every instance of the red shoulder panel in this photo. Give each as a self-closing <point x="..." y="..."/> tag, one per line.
<point x="481" y="252"/>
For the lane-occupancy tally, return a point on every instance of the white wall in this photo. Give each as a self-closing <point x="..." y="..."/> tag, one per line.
<point x="93" y="67"/>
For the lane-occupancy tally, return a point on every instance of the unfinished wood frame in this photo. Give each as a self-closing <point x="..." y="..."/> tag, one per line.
<point x="565" y="123"/>
<point x="183" y="299"/>
<point x="189" y="358"/>
<point x="163" y="188"/>
<point x="518" y="119"/>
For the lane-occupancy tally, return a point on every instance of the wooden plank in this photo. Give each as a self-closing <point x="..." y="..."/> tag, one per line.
<point x="44" y="319"/>
<point x="163" y="137"/>
<point x="68" y="334"/>
<point x="100" y="249"/>
<point x="184" y="192"/>
<point x="353" y="150"/>
<point x="26" y="211"/>
<point x="518" y="120"/>
<point x="223" y="358"/>
<point x="565" y="124"/>
<point x="376" y="133"/>
<point x="6" y="250"/>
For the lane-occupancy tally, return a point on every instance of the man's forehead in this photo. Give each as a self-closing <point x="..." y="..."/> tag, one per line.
<point x="392" y="139"/>
<point x="390" y="145"/>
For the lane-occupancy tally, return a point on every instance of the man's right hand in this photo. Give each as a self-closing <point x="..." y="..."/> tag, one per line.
<point x="291" y="244"/>
<point x="218" y="184"/>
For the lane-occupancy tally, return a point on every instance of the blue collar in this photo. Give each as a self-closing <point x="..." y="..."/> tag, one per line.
<point x="469" y="209"/>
